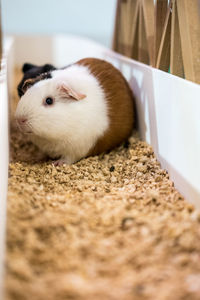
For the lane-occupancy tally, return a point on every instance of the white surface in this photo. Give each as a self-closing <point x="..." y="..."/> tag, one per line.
<point x="178" y="131"/>
<point x="4" y="153"/>
<point x="168" y="111"/>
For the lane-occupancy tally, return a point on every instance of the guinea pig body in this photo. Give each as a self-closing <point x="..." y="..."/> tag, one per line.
<point x="84" y="109"/>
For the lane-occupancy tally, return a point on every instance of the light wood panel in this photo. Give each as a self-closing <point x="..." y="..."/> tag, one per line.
<point x="161" y="33"/>
<point x="189" y="24"/>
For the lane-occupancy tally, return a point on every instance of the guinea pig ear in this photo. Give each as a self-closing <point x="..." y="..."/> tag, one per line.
<point x="48" y="68"/>
<point x="68" y="92"/>
<point x="27" y="84"/>
<point x="26" y="67"/>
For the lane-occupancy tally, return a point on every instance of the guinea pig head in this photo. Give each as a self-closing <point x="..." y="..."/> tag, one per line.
<point x="50" y="109"/>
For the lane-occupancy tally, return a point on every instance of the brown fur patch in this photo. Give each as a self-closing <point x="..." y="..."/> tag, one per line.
<point x="120" y="102"/>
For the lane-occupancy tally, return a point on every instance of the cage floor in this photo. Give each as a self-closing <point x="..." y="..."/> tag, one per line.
<point x="109" y="227"/>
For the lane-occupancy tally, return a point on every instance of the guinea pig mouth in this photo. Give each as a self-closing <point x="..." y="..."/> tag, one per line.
<point x="24" y="128"/>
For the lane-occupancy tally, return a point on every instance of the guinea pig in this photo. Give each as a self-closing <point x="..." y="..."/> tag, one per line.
<point x="32" y="71"/>
<point x="82" y="110"/>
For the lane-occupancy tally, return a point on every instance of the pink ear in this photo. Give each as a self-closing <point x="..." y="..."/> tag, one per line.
<point x="68" y="92"/>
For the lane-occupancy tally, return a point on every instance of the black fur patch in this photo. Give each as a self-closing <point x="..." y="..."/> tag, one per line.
<point x="33" y="74"/>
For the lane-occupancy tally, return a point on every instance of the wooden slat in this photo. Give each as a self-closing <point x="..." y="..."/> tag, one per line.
<point x="125" y="26"/>
<point x="189" y="24"/>
<point x="176" y="60"/>
<point x="120" y="30"/>
<point x="123" y="30"/>
<point x="148" y="10"/>
<point x="116" y="27"/>
<point x="163" y="60"/>
<point x="135" y="44"/>
<point x="160" y="17"/>
<point x="132" y="13"/>
<point x="143" y="46"/>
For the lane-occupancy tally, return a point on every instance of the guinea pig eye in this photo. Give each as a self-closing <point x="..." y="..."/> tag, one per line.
<point x="49" y="101"/>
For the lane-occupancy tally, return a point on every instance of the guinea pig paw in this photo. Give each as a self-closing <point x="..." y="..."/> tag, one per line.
<point x="60" y="162"/>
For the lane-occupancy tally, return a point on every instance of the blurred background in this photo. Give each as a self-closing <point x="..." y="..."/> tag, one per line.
<point x="90" y="18"/>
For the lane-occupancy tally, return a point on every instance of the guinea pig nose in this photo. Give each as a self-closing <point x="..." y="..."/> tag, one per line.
<point x="21" y="120"/>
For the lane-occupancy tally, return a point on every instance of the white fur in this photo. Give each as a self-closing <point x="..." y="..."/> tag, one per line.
<point x="68" y="128"/>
